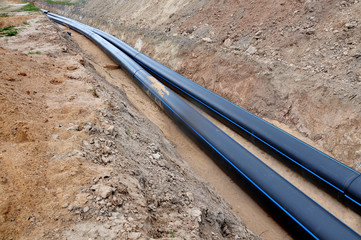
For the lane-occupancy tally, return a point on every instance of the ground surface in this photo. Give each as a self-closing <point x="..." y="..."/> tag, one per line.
<point x="77" y="158"/>
<point x="78" y="161"/>
<point x="294" y="63"/>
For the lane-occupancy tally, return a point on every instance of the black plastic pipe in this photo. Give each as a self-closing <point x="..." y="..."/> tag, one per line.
<point x="340" y="177"/>
<point x="309" y="216"/>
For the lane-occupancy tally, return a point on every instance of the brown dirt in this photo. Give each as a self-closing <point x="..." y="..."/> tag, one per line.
<point x="14" y="20"/>
<point x="36" y="99"/>
<point x="78" y="161"/>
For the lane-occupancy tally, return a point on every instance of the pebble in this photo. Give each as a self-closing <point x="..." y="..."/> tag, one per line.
<point x="251" y="50"/>
<point x="350" y="25"/>
<point x="207" y="40"/>
<point x="190" y="196"/>
<point x="104" y="191"/>
<point x="134" y="235"/>
<point x="156" y="156"/>
<point x="86" y="143"/>
<point x="88" y="126"/>
<point x="161" y="163"/>
<point x="310" y="31"/>
<point x="73" y="128"/>
<point x="110" y="129"/>
<point x="86" y="209"/>
<point x="227" y="42"/>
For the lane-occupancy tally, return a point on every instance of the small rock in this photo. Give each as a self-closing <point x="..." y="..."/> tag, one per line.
<point x="105" y="159"/>
<point x="227" y="42"/>
<point x="73" y="127"/>
<point x="310" y="31"/>
<point x="190" y="196"/>
<point x="350" y="25"/>
<point x="86" y="143"/>
<point x="156" y="156"/>
<point x="251" y="50"/>
<point x="103" y="190"/>
<point x="55" y="137"/>
<point x="86" y="209"/>
<point x="70" y="207"/>
<point x="72" y="67"/>
<point x="111" y="129"/>
<point x="87" y="127"/>
<point x="358" y="153"/>
<point x="207" y="40"/>
<point x="134" y="235"/>
<point x="65" y="205"/>
<point x="197" y="214"/>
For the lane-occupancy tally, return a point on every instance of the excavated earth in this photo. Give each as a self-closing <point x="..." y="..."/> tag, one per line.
<point x="84" y="154"/>
<point x="78" y="161"/>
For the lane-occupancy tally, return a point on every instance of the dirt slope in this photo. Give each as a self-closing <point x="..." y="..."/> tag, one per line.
<point x="78" y="161"/>
<point x="297" y="62"/>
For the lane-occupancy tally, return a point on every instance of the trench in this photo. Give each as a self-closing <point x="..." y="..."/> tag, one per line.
<point x="255" y="218"/>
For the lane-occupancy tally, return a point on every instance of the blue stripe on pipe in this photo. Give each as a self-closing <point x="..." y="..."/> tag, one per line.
<point x="353" y="200"/>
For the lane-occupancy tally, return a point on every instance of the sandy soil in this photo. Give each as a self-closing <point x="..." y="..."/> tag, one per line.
<point x="37" y="99"/>
<point x="78" y="161"/>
